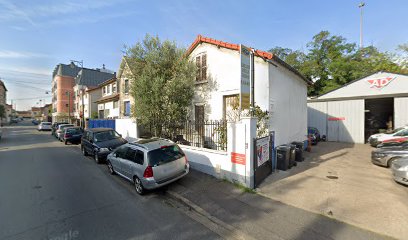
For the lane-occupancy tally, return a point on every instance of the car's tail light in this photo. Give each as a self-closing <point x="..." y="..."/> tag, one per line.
<point x="148" y="173"/>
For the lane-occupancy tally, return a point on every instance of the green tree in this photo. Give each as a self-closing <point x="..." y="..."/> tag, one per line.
<point x="330" y="61"/>
<point x="162" y="84"/>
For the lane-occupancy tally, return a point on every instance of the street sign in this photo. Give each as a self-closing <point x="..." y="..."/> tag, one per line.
<point x="245" y="86"/>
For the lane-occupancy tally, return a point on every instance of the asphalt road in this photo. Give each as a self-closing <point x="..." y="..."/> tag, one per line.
<point x="50" y="191"/>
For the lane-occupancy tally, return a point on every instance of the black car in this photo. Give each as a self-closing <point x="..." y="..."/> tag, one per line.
<point x="99" y="142"/>
<point x="54" y="127"/>
<point x="72" y="135"/>
<point x="314" y="135"/>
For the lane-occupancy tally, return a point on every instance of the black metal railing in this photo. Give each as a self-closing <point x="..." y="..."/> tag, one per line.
<point x="210" y="134"/>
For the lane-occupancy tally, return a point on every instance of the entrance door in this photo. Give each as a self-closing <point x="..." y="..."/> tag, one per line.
<point x="262" y="159"/>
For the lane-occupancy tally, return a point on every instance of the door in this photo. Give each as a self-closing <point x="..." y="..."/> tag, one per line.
<point x="263" y="158"/>
<point x="118" y="157"/>
<point x="128" y="162"/>
<point x="89" y="142"/>
<point x="199" y="119"/>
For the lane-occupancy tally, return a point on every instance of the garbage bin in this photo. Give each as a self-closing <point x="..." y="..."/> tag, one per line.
<point x="283" y="157"/>
<point x="292" y="159"/>
<point x="299" y="151"/>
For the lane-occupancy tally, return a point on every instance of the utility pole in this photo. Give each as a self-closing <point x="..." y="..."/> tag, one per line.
<point x="361" y="5"/>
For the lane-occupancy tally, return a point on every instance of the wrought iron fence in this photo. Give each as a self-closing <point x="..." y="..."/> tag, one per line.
<point x="211" y="134"/>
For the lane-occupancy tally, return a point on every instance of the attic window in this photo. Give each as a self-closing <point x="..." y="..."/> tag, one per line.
<point x="201" y="63"/>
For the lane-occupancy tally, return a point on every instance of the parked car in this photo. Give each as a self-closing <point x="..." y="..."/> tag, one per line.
<point x="54" y="127"/>
<point x="35" y="122"/>
<point x="149" y="163"/>
<point x="99" y="142"/>
<point x="378" y="138"/>
<point x="72" y="135"/>
<point x="385" y="155"/>
<point x="44" y="126"/>
<point x="400" y="170"/>
<point x="314" y="135"/>
<point x="61" y="129"/>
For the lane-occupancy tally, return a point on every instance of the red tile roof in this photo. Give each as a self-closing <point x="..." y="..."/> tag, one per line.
<point x="265" y="55"/>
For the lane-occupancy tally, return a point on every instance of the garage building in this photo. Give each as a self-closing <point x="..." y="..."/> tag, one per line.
<point x="360" y="108"/>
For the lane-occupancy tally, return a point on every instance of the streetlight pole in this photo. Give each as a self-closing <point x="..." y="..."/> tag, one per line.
<point x="361" y="5"/>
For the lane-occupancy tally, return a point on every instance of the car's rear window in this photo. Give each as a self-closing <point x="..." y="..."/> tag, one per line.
<point x="66" y="126"/>
<point x="164" y="155"/>
<point x="74" y="130"/>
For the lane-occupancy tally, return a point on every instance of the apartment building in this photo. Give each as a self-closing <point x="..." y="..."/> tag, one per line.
<point x="63" y="81"/>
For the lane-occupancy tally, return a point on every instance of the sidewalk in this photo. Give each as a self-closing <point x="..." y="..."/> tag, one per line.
<point x="260" y="217"/>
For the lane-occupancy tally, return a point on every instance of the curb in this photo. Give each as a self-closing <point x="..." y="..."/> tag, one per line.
<point x="233" y="232"/>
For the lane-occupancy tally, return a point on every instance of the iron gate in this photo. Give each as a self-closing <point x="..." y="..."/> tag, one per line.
<point x="263" y="156"/>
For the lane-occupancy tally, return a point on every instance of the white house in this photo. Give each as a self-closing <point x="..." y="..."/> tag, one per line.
<point x="279" y="88"/>
<point x="85" y="100"/>
<point x="362" y="107"/>
<point x="108" y="104"/>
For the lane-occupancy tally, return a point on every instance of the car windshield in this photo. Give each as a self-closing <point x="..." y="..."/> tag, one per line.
<point x="312" y="131"/>
<point x="396" y="130"/>
<point x="401" y="133"/>
<point x="74" y="130"/>
<point x="164" y="155"/>
<point x="106" y="136"/>
<point x="46" y="123"/>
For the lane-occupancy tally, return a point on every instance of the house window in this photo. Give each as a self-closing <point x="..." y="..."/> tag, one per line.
<point x="114" y="88"/>
<point x="108" y="89"/>
<point x="104" y="90"/>
<point x="201" y="63"/>
<point x="115" y="104"/>
<point x="126" y="88"/>
<point x="126" y="106"/>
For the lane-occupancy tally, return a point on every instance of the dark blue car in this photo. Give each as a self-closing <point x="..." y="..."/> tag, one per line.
<point x="72" y="135"/>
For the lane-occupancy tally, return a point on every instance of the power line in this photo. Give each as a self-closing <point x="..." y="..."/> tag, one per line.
<point x="33" y="98"/>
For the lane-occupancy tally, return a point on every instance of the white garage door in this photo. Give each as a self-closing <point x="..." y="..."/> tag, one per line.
<point x="400" y="111"/>
<point x="345" y="121"/>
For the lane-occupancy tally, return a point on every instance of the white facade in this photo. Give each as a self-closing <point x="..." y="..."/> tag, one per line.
<point x="108" y="104"/>
<point x="340" y="114"/>
<point x="278" y="90"/>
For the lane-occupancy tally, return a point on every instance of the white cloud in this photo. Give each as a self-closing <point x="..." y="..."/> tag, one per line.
<point x="15" y="54"/>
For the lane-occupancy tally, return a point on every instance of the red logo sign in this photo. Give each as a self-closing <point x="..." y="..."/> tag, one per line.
<point x="379" y="83"/>
<point x="336" y="118"/>
<point x="238" y="158"/>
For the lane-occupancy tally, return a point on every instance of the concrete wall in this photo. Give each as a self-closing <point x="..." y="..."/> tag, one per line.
<point x="287" y="105"/>
<point x="127" y="128"/>
<point x="400" y="111"/>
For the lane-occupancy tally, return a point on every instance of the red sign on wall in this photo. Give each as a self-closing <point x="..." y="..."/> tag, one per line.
<point x="238" y="158"/>
<point x="336" y="118"/>
<point x="379" y="83"/>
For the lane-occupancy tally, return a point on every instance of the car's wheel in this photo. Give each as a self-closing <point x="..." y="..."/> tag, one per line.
<point x="96" y="157"/>
<point x="139" y="186"/>
<point x="84" y="151"/>
<point x="110" y="167"/>
<point x="389" y="163"/>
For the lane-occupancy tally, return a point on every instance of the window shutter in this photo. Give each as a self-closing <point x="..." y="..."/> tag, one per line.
<point x="198" y="64"/>
<point x="204" y="67"/>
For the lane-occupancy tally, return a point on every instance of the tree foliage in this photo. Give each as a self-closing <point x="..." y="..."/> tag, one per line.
<point x="162" y="84"/>
<point x="330" y="61"/>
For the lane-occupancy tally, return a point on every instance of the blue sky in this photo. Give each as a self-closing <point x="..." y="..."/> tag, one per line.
<point x="37" y="35"/>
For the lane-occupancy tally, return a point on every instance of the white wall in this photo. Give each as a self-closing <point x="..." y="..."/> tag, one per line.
<point x="400" y="111"/>
<point x="317" y="116"/>
<point x="288" y="105"/>
<point x="127" y="128"/>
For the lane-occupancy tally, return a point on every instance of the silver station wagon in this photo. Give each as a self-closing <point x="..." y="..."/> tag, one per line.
<point x="149" y="163"/>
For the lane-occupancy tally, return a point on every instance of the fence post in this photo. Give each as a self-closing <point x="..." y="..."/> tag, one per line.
<point x="250" y="135"/>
